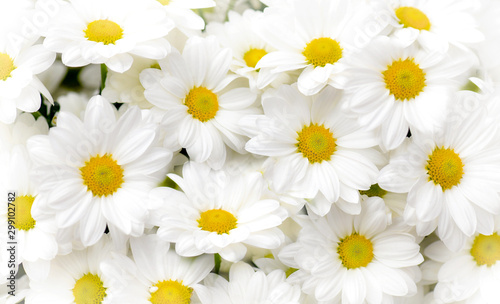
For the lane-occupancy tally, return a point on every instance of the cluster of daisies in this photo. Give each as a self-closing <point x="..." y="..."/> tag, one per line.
<point x="260" y="152"/>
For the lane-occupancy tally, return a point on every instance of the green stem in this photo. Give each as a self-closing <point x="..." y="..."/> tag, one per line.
<point x="104" y="74"/>
<point x="218" y="261"/>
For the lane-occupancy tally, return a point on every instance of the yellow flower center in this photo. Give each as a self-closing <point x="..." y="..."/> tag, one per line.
<point x="6" y="66"/>
<point x="105" y="31"/>
<point x="486" y="249"/>
<point x="321" y="51"/>
<point x="374" y="190"/>
<point x="404" y="79"/>
<point x="253" y="56"/>
<point x="202" y="103"/>
<point x="413" y="17"/>
<point x="171" y="292"/>
<point x="89" y="289"/>
<point x="102" y="175"/>
<point x="22" y="216"/>
<point x="217" y="220"/>
<point x="445" y="168"/>
<point x="355" y="251"/>
<point x="316" y="143"/>
<point x="164" y="2"/>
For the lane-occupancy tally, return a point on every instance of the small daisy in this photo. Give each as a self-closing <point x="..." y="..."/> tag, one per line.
<point x="108" y="32"/>
<point x="395" y="88"/>
<point x="215" y="214"/>
<point x="78" y="278"/>
<point x="351" y="259"/>
<point x="316" y="37"/>
<point x="435" y="24"/>
<point x="471" y="275"/>
<point x="98" y="171"/>
<point x="182" y="12"/>
<point x="202" y="111"/>
<point x="318" y="148"/>
<point x="20" y="88"/>
<point x="161" y="276"/>
<point x="452" y="179"/>
<point x="249" y="286"/>
<point x="240" y="35"/>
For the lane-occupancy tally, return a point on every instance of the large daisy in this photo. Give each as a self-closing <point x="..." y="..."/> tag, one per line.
<point x="351" y="259"/>
<point x="452" y="179"/>
<point x="318" y="148"/>
<point x="108" y="32"/>
<point x="394" y="88"/>
<point x="435" y="24"/>
<point x="315" y="37"/>
<point x="98" y="171"/>
<point x="215" y="214"/>
<point x="471" y="275"/>
<point x="202" y="111"/>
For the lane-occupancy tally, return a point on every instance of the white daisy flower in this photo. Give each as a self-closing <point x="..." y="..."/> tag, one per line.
<point x="215" y="214"/>
<point x="241" y="36"/>
<point x="20" y="88"/>
<point x="78" y="278"/>
<point x="318" y="148"/>
<point x="98" y="171"/>
<point x="471" y="275"/>
<point x="249" y="286"/>
<point x="452" y="179"/>
<point x="395" y="88"/>
<point x="162" y="276"/>
<point x="351" y="259"/>
<point x="108" y="32"/>
<point x="182" y="12"/>
<point x="316" y="37"/>
<point x="202" y="111"/>
<point x="435" y="24"/>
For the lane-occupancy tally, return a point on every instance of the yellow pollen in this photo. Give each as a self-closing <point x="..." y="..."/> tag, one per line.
<point x="413" y="17"/>
<point x="404" y="79"/>
<point x="217" y="220"/>
<point x="102" y="175"/>
<point x="171" y="292"/>
<point x="445" y="168"/>
<point x="253" y="56"/>
<point x="321" y="51"/>
<point x="374" y="190"/>
<point x="164" y="2"/>
<point x="202" y="103"/>
<point x="355" y="251"/>
<point x="105" y="31"/>
<point x="316" y="143"/>
<point x="22" y="216"/>
<point x="6" y="66"/>
<point x="486" y="249"/>
<point x="289" y="271"/>
<point x="89" y="289"/>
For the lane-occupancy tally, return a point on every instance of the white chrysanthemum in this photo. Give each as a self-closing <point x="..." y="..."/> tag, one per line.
<point x="79" y="278"/>
<point x="202" y="112"/>
<point x="161" y="276"/>
<point x="182" y="12"/>
<point x="98" y="172"/>
<point x="435" y="24"/>
<point x="471" y="275"/>
<point x="351" y="259"/>
<point x="452" y="179"/>
<point x="395" y="88"/>
<point x="108" y="32"/>
<point x="216" y="214"/>
<point x="249" y="286"/>
<point x="19" y="86"/>
<point x="315" y="36"/>
<point x="126" y="87"/>
<point x="318" y="148"/>
<point x="241" y="36"/>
